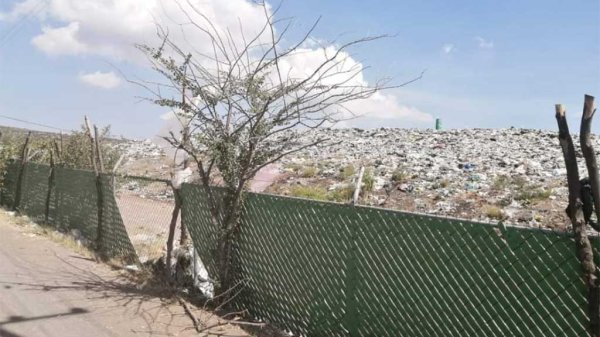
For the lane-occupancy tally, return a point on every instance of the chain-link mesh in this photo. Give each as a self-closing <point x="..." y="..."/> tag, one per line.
<point x="423" y="276"/>
<point x="146" y="206"/>
<point x="72" y="206"/>
<point x="323" y="269"/>
<point x="116" y="239"/>
<point x="202" y="230"/>
<point x="34" y="191"/>
<point x="75" y="202"/>
<point x="9" y="183"/>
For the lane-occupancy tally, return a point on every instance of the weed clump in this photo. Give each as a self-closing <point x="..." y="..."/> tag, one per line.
<point x="493" y="212"/>
<point x="309" y="172"/>
<point x="341" y="194"/>
<point x="309" y="192"/>
<point x="368" y="182"/>
<point x="533" y="194"/>
<point x="399" y="176"/>
<point x="347" y="172"/>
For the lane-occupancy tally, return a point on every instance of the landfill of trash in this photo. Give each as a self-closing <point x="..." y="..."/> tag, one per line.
<point x="512" y="175"/>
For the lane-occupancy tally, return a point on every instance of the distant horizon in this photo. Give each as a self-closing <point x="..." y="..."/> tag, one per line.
<point x="151" y="137"/>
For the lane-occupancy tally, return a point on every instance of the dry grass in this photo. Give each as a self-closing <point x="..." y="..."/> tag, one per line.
<point x="309" y="192"/>
<point x="347" y="172"/>
<point x="31" y="228"/>
<point x="533" y="193"/>
<point x="399" y="176"/>
<point x="493" y="212"/>
<point x="309" y="172"/>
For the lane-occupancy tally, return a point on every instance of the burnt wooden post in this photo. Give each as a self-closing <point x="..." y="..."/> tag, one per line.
<point x="18" y="189"/>
<point x="585" y="253"/>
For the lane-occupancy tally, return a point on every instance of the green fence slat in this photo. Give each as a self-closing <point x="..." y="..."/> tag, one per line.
<point x="10" y="183"/>
<point x="72" y="206"/>
<point x="309" y="266"/>
<point x="326" y="269"/>
<point x="35" y="191"/>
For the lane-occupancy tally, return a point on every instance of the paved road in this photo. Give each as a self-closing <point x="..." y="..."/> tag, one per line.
<point x="47" y="290"/>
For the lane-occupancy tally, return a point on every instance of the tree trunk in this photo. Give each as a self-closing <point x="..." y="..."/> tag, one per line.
<point x="585" y="253"/>
<point x="229" y="225"/>
<point x="172" y="227"/>
<point x="590" y="156"/>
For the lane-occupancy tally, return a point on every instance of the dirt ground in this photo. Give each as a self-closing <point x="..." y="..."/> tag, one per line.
<point x="147" y="223"/>
<point x="47" y="289"/>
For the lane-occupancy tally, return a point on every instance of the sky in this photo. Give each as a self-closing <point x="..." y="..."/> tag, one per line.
<point x="487" y="64"/>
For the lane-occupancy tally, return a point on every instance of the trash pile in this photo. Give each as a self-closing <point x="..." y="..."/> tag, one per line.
<point x="513" y="175"/>
<point x="144" y="158"/>
<point x="135" y="149"/>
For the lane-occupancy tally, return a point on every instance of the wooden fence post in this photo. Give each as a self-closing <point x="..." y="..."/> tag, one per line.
<point x="18" y="192"/>
<point x="358" y="186"/>
<point x="49" y="192"/>
<point x="96" y="157"/>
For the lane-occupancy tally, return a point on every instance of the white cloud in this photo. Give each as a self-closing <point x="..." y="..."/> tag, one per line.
<point x="385" y="107"/>
<point x="60" y="41"/>
<point x="381" y="105"/>
<point x="448" y="48"/>
<point x="110" y="28"/>
<point x="483" y="43"/>
<point x="102" y="80"/>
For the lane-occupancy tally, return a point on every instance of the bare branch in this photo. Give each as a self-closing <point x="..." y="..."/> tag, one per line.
<point x="242" y="105"/>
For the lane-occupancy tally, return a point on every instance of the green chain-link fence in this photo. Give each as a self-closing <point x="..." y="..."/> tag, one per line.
<point x="323" y="269"/>
<point x="72" y="206"/>
<point x="9" y="183"/>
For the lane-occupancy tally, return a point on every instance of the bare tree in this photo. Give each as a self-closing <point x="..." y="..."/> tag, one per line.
<point x="243" y="106"/>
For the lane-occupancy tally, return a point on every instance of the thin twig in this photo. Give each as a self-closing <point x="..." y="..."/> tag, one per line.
<point x="189" y="312"/>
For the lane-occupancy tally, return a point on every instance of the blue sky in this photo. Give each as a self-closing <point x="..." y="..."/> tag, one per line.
<point x="488" y="63"/>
